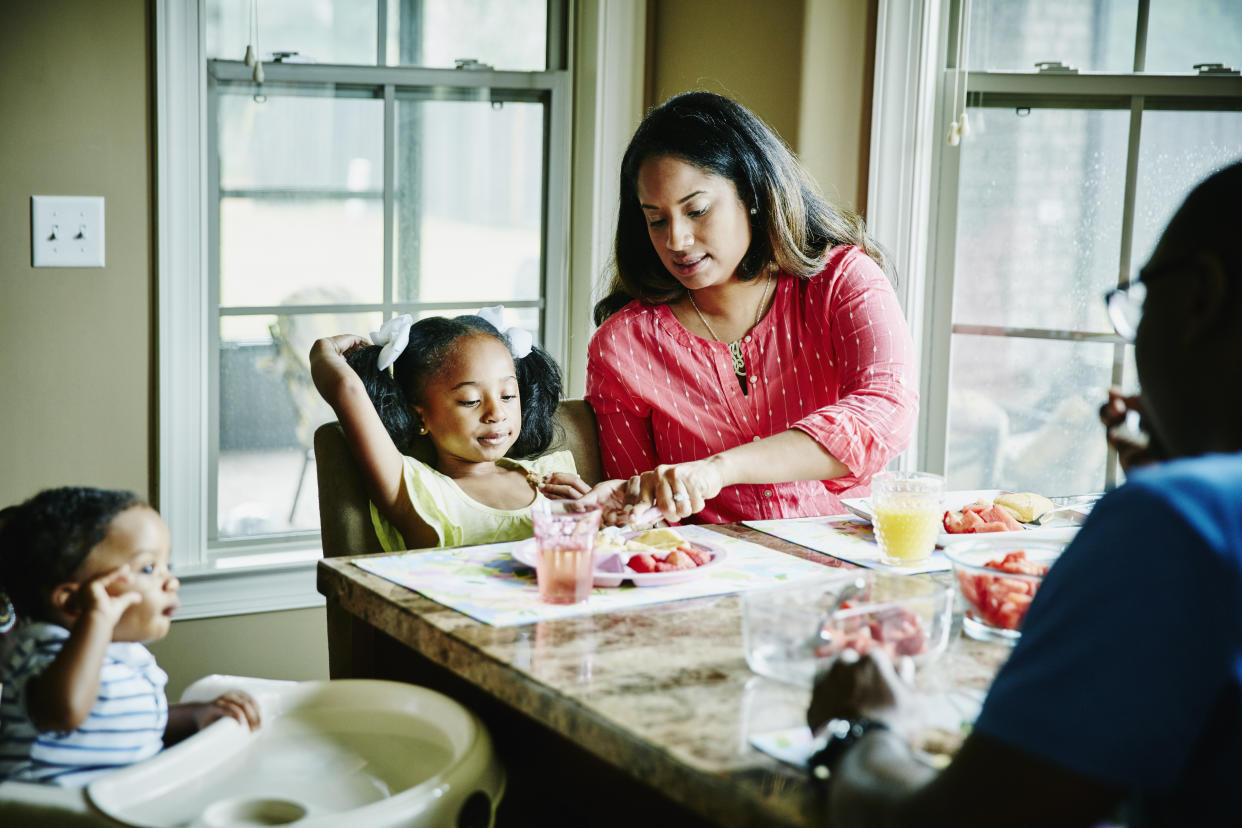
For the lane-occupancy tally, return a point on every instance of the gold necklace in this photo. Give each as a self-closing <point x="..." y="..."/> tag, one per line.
<point x="735" y="347"/>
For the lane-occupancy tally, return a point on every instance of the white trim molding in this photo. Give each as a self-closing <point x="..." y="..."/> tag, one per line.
<point x="608" y="57"/>
<point x="900" y="171"/>
<point x="181" y="278"/>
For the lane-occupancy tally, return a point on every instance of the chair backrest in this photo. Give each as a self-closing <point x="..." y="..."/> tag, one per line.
<point x="345" y="511"/>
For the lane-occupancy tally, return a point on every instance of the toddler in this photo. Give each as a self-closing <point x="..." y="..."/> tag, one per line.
<point x="479" y="397"/>
<point x="86" y="575"/>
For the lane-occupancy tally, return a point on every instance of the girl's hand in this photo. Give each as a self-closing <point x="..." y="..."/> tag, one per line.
<point x="107" y="595"/>
<point x="234" y="704"/>
<point x="1135" y="445"/>
<point x="610" y="497"/>
<point x="343" y="344"/>
<point x="678" y="490"/>
<point x="563" y="486"/>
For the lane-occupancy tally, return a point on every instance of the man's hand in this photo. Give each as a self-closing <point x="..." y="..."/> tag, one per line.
<point x="868" y="686"/>
<point x="1134" y="442"/>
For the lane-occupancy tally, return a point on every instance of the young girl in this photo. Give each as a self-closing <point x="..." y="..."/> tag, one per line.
<point x="86" y="571"/>
<point x="479" y="397"/>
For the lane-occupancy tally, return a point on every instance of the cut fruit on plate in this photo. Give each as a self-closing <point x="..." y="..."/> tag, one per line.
<point x="641" y="564"/>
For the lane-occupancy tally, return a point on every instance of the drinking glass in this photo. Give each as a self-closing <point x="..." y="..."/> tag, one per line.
<point x="907" y="512"/>
<point x="565" y="540"/>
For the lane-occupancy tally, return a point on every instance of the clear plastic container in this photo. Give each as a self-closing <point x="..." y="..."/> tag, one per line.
<point x="793" y="631"/>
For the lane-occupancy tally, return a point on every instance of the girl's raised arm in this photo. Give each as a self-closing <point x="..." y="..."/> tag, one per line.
<point x="377" y="456"/>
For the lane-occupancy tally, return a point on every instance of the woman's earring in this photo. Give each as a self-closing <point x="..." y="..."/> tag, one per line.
<point x="754" y="211"/>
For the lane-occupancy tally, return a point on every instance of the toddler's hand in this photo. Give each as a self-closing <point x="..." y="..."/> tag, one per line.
<point x="107" y="595"/>
<point x="234" y="704"/>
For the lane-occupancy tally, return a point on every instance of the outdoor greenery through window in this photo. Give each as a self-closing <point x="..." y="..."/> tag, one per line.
<point x="1058" y="192"/>
<point x="395" y="159"/>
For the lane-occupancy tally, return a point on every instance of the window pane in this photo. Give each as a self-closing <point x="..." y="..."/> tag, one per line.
<point x="301" y="199"/>
<point x="1181" y="33"/>
<point x="469" y="201"/>
<point x="326" y="31"/>
<point x="269" y="410"/>
<point x="504" y="34"/>
<point x="1039" y="218"/>
<point x="527" y="318"/>
<point x="1023" y="414"/>
<point x="1170" y="167"/>
<point x="1014" y="35"/>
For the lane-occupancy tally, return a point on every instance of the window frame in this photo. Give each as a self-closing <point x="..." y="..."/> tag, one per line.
<point x="913" y="177"/>
<point x="597" y="86"/>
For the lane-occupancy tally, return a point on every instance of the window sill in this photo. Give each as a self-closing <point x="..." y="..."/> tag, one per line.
<point x="242" y="590"/>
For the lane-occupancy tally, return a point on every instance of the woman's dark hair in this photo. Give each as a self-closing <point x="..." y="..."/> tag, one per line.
<point x="44" y="540"/>
<point x="432" y="340"/>
<point x="792" y="225"/>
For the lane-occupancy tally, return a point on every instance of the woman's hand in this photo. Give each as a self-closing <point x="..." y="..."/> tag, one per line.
<point x="1135" y="444"/>
<point x="866" y="686"/>
<point x="678" y="490"/>
<point x="234" y="704"/>
<point x="563" y="486"/>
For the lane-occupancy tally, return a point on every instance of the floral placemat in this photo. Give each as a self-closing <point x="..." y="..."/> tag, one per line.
<point x="486" y="583"/>
<point x="844" y="537"/>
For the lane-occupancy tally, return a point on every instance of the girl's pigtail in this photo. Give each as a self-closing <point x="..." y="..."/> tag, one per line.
<point x="386" y="395"/>
<point x="539" y="382"/>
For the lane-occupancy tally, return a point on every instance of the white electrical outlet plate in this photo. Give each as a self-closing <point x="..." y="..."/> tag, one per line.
<point x="67" y="231"/>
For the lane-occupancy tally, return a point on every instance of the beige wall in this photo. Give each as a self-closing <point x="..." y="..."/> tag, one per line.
<point x="78" y="399"/>
<point x="749" y="51"/>
<point x="804" y="66"/>
<point x="77" y="368"/>
<point x="76" y="372"/>
<point x="281" y="645"/>
<point x="838" y="60"/>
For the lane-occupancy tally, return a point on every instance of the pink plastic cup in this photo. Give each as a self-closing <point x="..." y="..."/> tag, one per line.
<point x="565" y="539"/>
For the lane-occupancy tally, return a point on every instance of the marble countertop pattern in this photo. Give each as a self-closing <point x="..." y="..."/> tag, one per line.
<point x="661" y="692"/>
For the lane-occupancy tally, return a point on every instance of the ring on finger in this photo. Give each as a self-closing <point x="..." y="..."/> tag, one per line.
<point x="681" y="497"/>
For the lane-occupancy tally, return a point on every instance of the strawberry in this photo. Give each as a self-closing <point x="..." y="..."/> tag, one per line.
<point x="642" y="562"/>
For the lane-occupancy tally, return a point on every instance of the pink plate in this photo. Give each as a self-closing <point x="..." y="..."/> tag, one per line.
<point x="525" y="553"/>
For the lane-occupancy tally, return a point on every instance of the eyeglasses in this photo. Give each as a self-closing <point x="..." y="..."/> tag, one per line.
<point x="1125" y="303"/>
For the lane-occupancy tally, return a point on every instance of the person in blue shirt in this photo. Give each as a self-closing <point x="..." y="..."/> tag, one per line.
<point x="1124" y="694"/>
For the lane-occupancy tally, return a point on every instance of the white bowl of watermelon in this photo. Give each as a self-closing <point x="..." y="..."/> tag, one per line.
<point x="997" y="578"/>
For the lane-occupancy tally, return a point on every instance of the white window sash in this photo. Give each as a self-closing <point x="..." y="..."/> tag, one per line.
<point x="606" y="89"/>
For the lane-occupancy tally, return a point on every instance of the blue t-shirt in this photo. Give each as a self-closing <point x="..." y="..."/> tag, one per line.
<point x="1129" y="668"/>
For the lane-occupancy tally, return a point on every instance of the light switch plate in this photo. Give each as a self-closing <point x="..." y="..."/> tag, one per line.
<point x="67" y="231"/>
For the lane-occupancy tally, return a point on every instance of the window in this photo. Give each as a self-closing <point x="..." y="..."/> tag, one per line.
<point x="1089" y="122"/>
<point x="398" y="156"/>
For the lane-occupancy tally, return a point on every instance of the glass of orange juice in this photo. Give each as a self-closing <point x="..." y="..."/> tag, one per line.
<point x="907" y="511"/>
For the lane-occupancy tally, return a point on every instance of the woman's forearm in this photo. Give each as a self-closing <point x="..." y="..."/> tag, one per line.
<point x="789" y="455"/>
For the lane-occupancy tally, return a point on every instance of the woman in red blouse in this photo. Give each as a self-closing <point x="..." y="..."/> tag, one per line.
<point x="752" y="360"/>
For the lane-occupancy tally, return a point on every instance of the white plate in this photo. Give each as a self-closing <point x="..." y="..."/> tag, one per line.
<point x="526" y="553"/>
<point x="954" y="501"/>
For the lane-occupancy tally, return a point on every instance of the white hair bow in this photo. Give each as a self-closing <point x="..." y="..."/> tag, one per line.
<point x="394" y="335"/>
<point x="520" y="339"/>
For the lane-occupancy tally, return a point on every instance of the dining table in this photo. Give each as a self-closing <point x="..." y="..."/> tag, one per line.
<point x="617" y="717"/>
